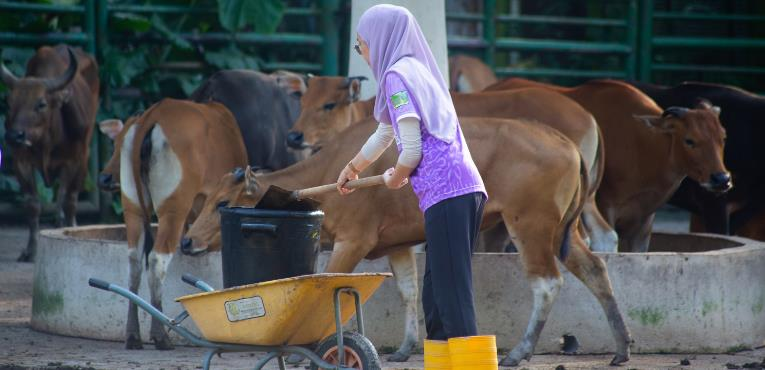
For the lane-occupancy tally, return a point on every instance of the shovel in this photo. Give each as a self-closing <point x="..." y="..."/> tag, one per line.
<point x="277" y="198"/>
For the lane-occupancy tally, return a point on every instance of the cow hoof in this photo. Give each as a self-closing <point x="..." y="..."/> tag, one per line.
<point x="619" y="359"/>
<point x="163" y="344"/>
<point x="133" y="342"/>
<point x="25" y="257"/>
<point x="294" y="359"/>
<point x="508" y="361"/>
<point x="398" y="357"/>
<point x="192" y="252"/>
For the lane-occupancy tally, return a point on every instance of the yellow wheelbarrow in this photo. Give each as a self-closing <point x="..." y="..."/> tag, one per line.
<point x="279" y="317"/>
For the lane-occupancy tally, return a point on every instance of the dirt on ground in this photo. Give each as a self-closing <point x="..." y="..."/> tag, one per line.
<point x="24" y="348"/>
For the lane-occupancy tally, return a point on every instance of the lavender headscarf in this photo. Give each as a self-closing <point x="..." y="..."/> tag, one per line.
<point x="397" y="45"/>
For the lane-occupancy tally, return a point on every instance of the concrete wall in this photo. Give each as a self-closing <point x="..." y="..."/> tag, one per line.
<point x="431" y="15"/>
<point x="677" y="302"/>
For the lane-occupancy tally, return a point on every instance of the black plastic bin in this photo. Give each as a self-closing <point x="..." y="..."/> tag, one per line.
<point x="261" y="245"/>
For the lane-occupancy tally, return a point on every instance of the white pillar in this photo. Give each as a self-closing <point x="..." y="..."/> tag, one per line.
<point x="430" y="14"/>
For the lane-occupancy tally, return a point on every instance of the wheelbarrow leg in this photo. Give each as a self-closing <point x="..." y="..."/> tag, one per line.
<point x="270" y="356"/>
<point x="208" y="359"/>
<point x="282" y="365"/>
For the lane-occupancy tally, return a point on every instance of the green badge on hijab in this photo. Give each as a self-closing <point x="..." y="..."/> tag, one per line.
<point x="400" y="98"/>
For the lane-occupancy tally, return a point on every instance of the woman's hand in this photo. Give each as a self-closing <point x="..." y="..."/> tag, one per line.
<point x="347" y="174"/>
<point x="391" y="182"/>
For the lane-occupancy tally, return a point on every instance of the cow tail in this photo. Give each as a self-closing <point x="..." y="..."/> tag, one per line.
<point x="140" y="162"/>
<point x="577" y="203"/>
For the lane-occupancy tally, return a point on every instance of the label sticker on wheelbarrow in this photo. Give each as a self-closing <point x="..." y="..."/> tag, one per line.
<point x="245" y="308"/>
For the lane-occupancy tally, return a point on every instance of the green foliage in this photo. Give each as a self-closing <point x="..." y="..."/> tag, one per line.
<point x="263" y="15"/>
<point x="232" y="58"/>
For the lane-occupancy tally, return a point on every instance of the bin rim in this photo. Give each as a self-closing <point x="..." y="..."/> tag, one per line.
<point x="257" y="212"/>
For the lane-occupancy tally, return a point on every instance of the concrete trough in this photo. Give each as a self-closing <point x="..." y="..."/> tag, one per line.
<point x="694" y="293"/>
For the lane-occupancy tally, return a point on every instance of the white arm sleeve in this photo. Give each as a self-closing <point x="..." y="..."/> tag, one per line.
<point x="411" y="142"/>
<point x="378" y="142"/>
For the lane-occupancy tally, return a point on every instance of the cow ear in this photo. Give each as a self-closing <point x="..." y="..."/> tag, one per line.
<point x="250" y="184"/>
<point x="110" y="127"/>
<point x="293" y="83"/>
<point x="354" y="90"/>
<point x="657" y="123"/>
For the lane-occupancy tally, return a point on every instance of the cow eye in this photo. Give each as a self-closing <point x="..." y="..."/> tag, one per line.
<point x="329" y="106"/>
<point x="222" y="204"/>
<point x="690" y="142"/>
<point x="41" y="105"/>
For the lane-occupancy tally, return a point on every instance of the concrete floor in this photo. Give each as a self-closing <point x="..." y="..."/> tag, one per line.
<point x="23" y="348"/>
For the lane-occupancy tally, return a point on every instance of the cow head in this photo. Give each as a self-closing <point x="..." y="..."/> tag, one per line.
<point x="293" y="83"/>
<point x="32" y="102"/>
<point x="698" y="140"/>
<point x="237" y="188"/>
<point x="325" y="110"/>
<point x="109" y="178"/>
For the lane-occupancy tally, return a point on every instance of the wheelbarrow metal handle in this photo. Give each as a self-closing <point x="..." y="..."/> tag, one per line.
<point x="98" y="283"/>
<point x="196" y="282"/>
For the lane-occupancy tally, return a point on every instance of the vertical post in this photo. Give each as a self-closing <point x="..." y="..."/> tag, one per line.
<point x="102" y="30"/>
<point x="632" y="40"/>
<point x="646" y="38"/>
<point x="89" y="18"/>
<point x="330" y="37"/>
<point x="489" y="32"/>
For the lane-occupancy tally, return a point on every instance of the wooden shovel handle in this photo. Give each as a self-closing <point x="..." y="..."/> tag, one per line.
<point x="353" y="184"/>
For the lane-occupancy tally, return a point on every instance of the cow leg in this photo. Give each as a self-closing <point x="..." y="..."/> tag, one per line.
<point x="603" y="238"/>
<point x="72" y="191"/>
<point x="536" y="246"/>
<point x="494" y="239"/>
<point x="26" y="176"/>
<point x="637" y="236"/>
<point x="158" y="263"/>
<point x="135" y="238"/>
<point x="591" y="270"/>
<point x="404" y="266"/>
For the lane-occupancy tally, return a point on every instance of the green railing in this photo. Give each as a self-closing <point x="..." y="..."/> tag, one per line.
<point x="654" y="46"/>
<point x="94" y="16"/>
<point x="493" y="42"/>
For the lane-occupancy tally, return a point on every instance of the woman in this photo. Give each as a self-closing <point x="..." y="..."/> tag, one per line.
<point x="413" y="106"/>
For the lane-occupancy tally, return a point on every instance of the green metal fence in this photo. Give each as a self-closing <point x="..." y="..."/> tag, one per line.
<point x="308" y="35"/>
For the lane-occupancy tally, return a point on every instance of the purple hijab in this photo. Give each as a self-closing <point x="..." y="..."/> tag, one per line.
<point x="397" y="45"/>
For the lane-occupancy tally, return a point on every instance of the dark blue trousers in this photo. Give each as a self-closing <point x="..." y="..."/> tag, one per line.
<point x="451" y="229"/>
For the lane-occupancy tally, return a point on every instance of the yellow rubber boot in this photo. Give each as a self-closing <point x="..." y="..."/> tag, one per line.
<point x="473" y="353"/>
<point x="437" y="355"/>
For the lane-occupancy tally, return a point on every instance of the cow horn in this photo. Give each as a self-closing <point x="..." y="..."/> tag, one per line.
<point x="674" y="112"/>
<point x="8" y="78"/>
<point x="349" y="80"/>
<point x="58" y="83"/>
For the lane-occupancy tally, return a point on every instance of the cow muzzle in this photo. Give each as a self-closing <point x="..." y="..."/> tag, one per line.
<point x="719" y="182"/>
<point x="295" y="140"/>
<point x="106" y="182"/>
<point x="16" y="138"/>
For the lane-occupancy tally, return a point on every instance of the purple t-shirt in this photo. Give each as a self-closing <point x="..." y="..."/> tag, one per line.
<point x="446" y="170"/>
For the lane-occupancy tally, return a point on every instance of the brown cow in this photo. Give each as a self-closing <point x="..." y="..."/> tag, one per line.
<point x="49" y="126"/>
<point x="330" y="105"/>
<point x="645" y="163"/>
<point x="469" y="74"/>
<point x="538" y="194"/>
<point x="171" y="157"/>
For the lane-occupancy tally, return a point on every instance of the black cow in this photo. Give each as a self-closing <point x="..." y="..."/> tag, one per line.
<point x="265" y="107"/>
<point x="741" y="115"/>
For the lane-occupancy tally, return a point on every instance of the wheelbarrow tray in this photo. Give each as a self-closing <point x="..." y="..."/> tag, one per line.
<point x="292" y="311"/>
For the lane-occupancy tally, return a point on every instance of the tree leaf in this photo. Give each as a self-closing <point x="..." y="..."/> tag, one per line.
<point x="159" y="25"/>
<point x="231" y="57"/>
<point x="263" y="15"/>
<point x="121" y="22"/>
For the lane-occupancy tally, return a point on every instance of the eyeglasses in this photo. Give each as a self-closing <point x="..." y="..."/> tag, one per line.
<point x="357" y="48"/>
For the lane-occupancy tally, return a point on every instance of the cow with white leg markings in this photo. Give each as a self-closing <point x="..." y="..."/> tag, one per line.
<point x="170" y="158"/>
<point x="539" y="195"/>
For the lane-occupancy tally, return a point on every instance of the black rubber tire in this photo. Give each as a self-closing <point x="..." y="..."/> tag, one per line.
<point x="355" y="342"/>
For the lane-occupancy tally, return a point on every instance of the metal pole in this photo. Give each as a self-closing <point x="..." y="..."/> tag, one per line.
<point x="489" y="32"/>
<point x="632" y="40"/>
<point x="646" y="38"/>
<point x="330" y="38"/>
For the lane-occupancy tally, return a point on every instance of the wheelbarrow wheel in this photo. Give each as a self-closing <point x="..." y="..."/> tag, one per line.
<point x="359" y="352"/>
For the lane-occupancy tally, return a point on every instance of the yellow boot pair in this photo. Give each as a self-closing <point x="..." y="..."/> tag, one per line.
<point x="463" y="353"/>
